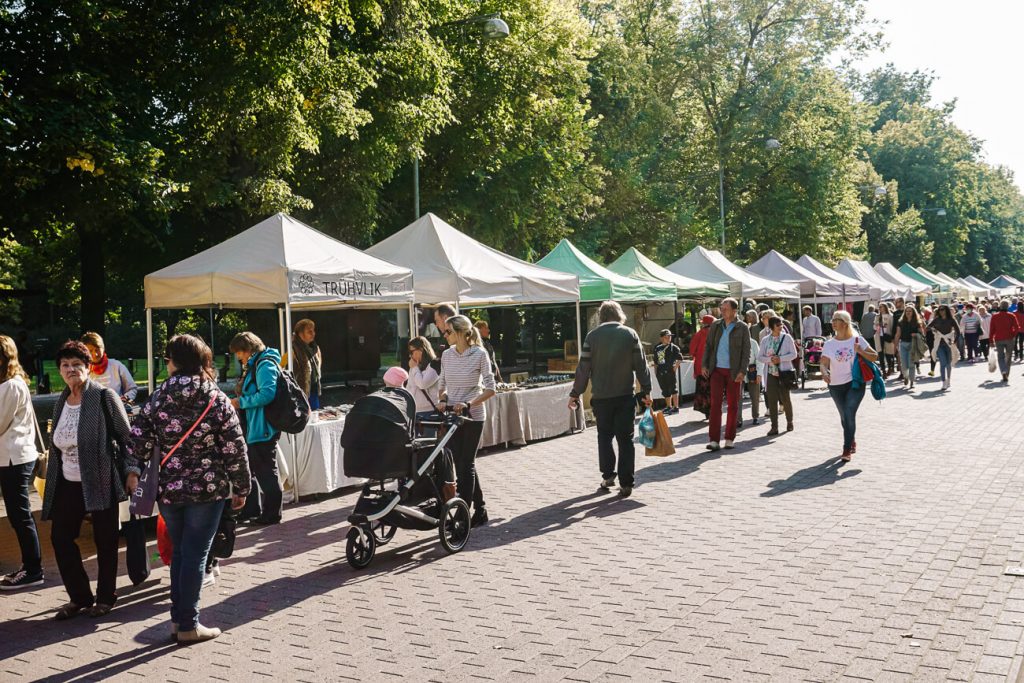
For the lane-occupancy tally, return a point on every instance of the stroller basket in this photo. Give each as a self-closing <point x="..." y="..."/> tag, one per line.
<point x="378" y="435"/>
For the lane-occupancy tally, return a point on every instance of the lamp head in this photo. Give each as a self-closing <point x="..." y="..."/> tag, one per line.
<point x="494" y="28"/>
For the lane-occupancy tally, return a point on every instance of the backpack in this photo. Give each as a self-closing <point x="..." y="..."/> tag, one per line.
<point x="288" y="411"/>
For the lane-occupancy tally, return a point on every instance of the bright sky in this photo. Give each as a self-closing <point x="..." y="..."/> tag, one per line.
<point x="975" y="49"/>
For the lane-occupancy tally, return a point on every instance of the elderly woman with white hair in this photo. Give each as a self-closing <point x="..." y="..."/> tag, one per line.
<point x="837" y="359"/>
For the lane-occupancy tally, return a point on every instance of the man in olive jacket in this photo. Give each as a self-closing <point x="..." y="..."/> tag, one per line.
<point x="611" y="357"/>
<point x="726" y="356"/>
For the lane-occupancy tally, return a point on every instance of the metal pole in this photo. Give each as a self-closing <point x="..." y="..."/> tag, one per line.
<point x="280" y="328"/>
<point x="415" y="187"/>
<point x="291" y="440"/>
<point x="211" y="333"/>
<point x="579" y="333"/>
<point x="288" y="333"/>
<point x="149" y="350"/>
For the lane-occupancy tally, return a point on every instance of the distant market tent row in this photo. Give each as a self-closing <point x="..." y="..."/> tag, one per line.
<point x="859" y="287"/>
<point x="813" y="286"/>
<point x="892" y="274"/>
<point x="634" y="264"/>
<point x="713" y="266"/>
<point x="862" y="270"/>
<point x="598" y="283"/>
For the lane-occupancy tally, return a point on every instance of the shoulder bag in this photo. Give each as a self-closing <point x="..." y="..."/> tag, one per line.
<point x="144" y="496"/>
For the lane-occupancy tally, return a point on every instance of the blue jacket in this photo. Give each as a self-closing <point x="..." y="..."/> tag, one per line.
<point x="257" y="391"/>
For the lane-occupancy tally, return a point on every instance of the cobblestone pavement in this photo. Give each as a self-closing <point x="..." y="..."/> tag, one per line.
<point x="768" y="561"/>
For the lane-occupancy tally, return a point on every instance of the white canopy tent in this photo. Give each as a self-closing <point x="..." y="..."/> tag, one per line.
<point x="856" y="290"/>
<point x="776" y="266"/>
<point x="449" y="265"/>
<point x="892" y="274"/>
<point x="712" y="266"/>
<point x="278" y="263"/>
<point x="992" y="290"/>
<point x="862" y="271"/>
<point x="973" y="289"/>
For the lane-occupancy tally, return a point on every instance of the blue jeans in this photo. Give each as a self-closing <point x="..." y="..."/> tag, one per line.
<point x="847" y="400"/>
<point x="191" y="527"/>
<point x="945" y="362"/>
<point x="909" y="369"/>
<point x="314" y="402"/>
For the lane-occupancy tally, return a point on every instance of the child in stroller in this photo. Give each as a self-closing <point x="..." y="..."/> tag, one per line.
<point x="812" y="349"/>
<point x="410" y="477"/>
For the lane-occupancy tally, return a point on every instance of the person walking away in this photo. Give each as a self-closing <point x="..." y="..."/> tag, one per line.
<point x="884" y="332"/>
<point x="485" y="337"/>
<point x="984" y="320"/>
<point x="777" y="352"/>
<point x="1003" y="330"/>
<point x="702" y="392"/>
<point x="18" y="455"/>
<point x="262" y="365"/>
<point x="909" y="324"/>
<point x="946" y="333"/>
<point x="108" y="372"/>
<point x="423" y="376"/>
<point x="837" y="359"/>
<point x="725" y="362"/>
<point x="466" y="383"/>
<point x="970" y="325"/>
<point x="86" y="475"/>
<point x="612" y="356"/>
<point x="667" y="359"/>
<point x="811" y="323"/>
<point x="209" y="466"/>
<point x="867" y="326"/>
<point x="307" y="366"/>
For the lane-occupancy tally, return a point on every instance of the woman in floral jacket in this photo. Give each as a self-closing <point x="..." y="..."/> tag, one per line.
<point x="198" y="477"/>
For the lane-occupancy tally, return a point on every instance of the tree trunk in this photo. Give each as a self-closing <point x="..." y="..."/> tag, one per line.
<point x="92" y="281"/>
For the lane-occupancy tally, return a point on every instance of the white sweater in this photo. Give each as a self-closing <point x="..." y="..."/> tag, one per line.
<point x="17" y="429"/>
<point x="423" y="382"/>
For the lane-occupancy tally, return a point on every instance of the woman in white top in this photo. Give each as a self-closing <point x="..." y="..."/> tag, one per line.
<point x="17" y="460"/>
<point x="423" y="378"/>
<point x="837" y="359"/>
<point x="108" y="372"/>
<point x="466" y="383"/>
<point x="777" y="352"/>
<point x="986" y="320"/>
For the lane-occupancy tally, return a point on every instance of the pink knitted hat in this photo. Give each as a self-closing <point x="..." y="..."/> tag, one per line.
<point x="395" y="377"/>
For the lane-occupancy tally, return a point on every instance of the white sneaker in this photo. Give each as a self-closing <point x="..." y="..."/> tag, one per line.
<point x="712" y="446"/>
<point x="727" y="444"/>
<point x="209" y="580"/>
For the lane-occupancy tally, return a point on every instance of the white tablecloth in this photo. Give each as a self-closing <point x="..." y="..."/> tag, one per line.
<point x="317" y="458"/>
<point x="688" y="386"/>
<point x="517" y="417"/>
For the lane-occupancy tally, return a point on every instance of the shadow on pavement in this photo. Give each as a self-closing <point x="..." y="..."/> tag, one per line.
<point x="824" y="474"/>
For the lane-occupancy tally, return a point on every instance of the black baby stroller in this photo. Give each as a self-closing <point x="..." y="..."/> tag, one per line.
<point x="408" y="475"/>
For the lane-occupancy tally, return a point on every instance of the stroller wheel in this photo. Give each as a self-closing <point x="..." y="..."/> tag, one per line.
<point x="382" y="533"/>
<point x="455" y="525"/>
<point x="360" y="547"/>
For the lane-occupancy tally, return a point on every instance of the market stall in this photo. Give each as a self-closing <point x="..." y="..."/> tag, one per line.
<point x="814" y="287"/>
<point x="940" y="290"/>
<point x="975" y="291"/>
<point x="1006" y="282"/>
<point x="518" y="415"/>
<point x="881" y="288"/>
<point x="892" y="274"/>
<point x="713" y="266"/>
<point x="284" y="264"/>
<point x="992" y="291"/>
<point x="449" y="265"/>
<point x="872" y="293"/>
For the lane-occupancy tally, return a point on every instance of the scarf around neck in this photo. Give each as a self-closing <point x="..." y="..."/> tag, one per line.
<point x="101" y="367"/>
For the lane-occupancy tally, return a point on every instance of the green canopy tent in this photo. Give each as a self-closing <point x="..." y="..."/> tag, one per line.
<point x="911" y="271"/>
<point x="634" y="264"/>
<point x="598" y="283"/>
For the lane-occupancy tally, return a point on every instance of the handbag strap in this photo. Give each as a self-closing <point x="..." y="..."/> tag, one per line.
<point x="40" y="442"/>
<point x="190" y="430"/>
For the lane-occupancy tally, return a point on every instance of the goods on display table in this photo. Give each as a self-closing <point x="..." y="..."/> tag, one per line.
<point x="536" y="409"/>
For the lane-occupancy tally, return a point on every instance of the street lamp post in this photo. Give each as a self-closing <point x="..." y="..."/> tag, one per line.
<point x="491" y="27"/>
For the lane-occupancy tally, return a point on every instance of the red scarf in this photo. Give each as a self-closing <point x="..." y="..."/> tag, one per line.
<point x="101" y="367"/>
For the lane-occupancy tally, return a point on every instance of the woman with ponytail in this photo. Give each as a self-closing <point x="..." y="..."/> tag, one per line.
<point x="466" y="383"/>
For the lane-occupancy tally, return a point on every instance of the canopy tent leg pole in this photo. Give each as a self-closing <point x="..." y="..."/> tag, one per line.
<point x="675" y="321"/>
<point x="280" y="329"/>
<point x="286" y="333"/>
<point x="149" y="351"/>
<point x="212" y="353"/>
<point x="579" y="334"/>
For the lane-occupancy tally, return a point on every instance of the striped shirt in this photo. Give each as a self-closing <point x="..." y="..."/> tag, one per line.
<point x="464" y="376"/>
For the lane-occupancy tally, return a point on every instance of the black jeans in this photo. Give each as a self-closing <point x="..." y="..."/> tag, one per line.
<point x="265" y="497"/>
<point x="14" y="481"/>
<point x="66" y="516"/>
<point x="1020" y="346"/>
<point x="615" y="424"/>
<point x="464" y="444"/>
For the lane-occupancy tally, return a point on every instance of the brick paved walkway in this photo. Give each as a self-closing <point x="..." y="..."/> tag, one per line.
<point x="769" y="561"/>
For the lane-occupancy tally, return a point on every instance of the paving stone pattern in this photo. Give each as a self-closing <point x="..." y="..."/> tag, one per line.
<point x="770" y="561"/>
